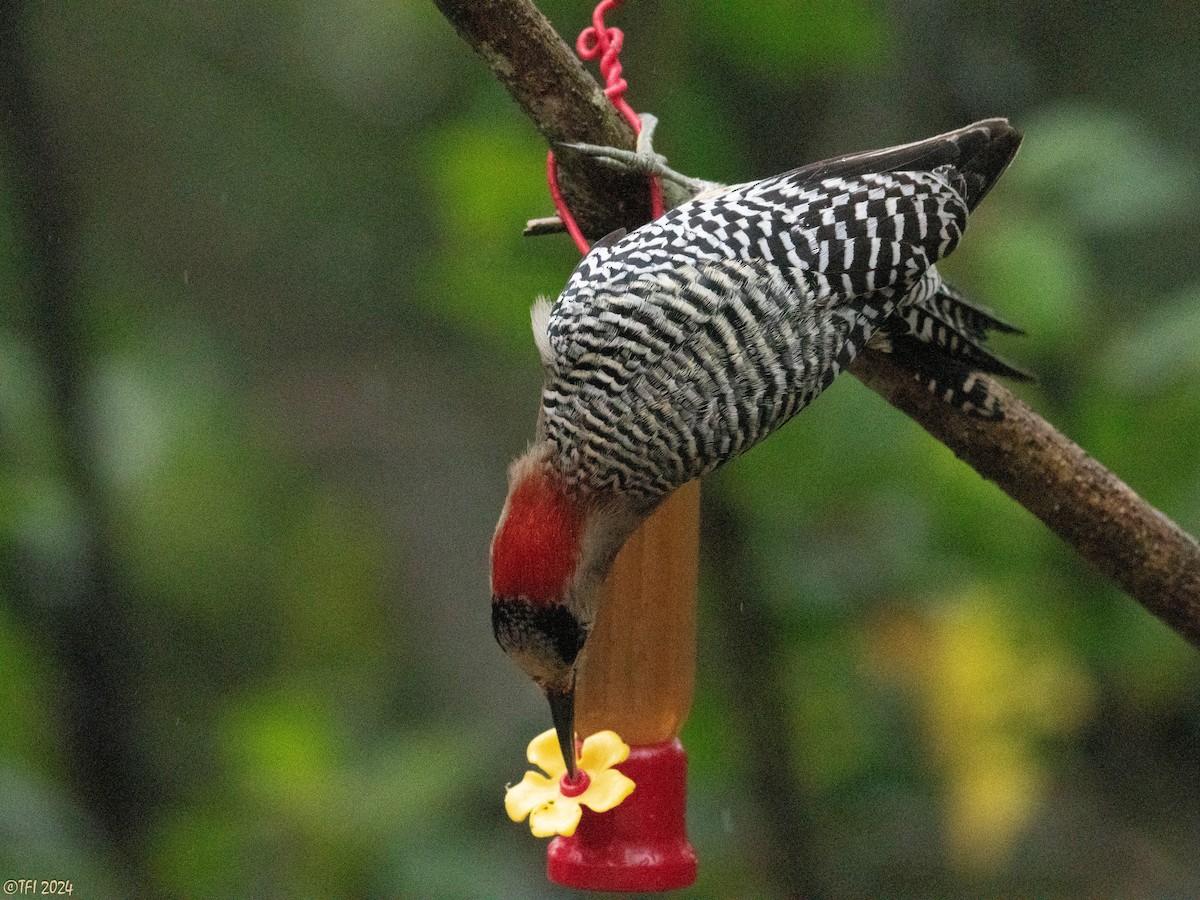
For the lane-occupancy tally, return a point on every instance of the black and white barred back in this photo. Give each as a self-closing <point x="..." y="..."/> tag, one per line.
<point x="677" y="347"/>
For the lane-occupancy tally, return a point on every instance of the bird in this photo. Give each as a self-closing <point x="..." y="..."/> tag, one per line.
<point x="677" y="346"/>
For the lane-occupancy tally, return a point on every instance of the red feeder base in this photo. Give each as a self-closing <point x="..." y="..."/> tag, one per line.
<point x="641" y="845"/>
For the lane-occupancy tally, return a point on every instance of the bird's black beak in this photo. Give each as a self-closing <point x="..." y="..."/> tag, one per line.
<point x="562" y="710"/>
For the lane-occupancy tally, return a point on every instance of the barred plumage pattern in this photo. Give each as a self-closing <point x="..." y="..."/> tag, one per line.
<point x="675" y="348"/>
<point x="958" y="329"/>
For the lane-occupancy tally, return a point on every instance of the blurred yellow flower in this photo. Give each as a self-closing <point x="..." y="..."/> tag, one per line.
<point x="551" y="802"/>
<point x="995" y="696"/>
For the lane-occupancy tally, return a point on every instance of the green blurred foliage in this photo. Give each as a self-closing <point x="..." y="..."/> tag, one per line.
<point x="306" y="361"/>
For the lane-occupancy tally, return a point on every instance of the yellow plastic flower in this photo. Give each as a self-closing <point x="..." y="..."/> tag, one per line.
<point x="551" y="802"/>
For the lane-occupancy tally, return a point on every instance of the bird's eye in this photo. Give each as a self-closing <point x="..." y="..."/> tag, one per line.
<point x="543" y="629"/>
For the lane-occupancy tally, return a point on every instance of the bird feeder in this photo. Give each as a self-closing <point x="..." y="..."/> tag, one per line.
<point x="637" y="678"/>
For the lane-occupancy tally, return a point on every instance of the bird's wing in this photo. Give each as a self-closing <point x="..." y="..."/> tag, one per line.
<point x="862" y="240"/>
<point x="691" y="339"/>
<point x="980" y="151"/>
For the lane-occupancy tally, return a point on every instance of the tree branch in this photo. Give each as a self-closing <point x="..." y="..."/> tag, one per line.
<point x="1123" y="536"/>
<point x="1091" y="509"/>
<point x="565" y="103"/>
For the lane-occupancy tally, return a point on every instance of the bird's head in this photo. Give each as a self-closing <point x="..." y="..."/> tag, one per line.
<point x="551" y="552"/>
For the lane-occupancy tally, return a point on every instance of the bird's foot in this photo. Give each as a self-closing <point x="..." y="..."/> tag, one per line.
<point x="677" y="188"/>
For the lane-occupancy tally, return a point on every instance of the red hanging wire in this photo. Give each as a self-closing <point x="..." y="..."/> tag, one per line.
<point x="598" y="40"/>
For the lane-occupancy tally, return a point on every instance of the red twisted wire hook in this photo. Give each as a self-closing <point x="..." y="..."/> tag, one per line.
<point x="598" y="40"/>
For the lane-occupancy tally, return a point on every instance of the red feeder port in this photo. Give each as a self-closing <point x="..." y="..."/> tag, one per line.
<point x="640" y="845"/>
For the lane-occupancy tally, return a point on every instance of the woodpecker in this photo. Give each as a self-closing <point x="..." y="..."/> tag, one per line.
<point x="682" y="344"/>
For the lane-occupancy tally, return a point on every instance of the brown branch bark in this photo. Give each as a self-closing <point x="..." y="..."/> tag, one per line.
<point x="1123" y="536"/>
<point x="1091" y="509"/>
<point x="563" y="101"/>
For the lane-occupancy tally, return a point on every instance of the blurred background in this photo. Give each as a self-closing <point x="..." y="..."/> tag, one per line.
<point x="264" y="357"/>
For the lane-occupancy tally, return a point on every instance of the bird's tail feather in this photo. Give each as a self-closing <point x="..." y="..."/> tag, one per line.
<point x="942" y="339"/>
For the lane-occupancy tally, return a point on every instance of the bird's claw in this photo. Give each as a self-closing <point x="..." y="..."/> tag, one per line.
<point x="677" y="188"/>
<point x="645" y="138"/>
<point x="635" y="162"/>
